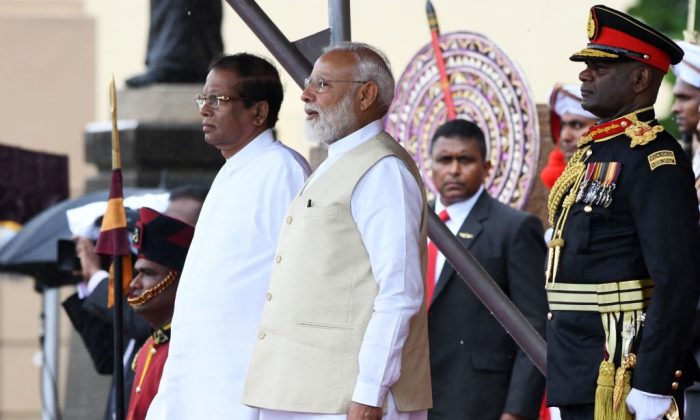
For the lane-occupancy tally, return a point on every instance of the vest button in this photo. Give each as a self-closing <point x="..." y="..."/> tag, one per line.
<point x="679" y="373"/>
<point x="549" y="316"/>
<point x="261" y="335"/>
<point x="674" y="385"/>
<point x="289" y="220"/>
<point x="268" y="296"/>
<point x="588" y="209"/>
<point x="278" y="259"/>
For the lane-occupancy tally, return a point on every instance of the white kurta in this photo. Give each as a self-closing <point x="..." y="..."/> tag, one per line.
<point x="387" y="207"/>
<point x="221" y="292"/>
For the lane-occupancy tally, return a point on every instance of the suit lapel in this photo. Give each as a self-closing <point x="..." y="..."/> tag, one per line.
<point x="467" y="236"/>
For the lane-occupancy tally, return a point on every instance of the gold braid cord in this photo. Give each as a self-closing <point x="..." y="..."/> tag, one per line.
<point x="153" y="291"/>
<point x="574" y="169"/>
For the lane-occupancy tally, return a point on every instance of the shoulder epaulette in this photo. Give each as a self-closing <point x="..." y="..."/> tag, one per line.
<point x="639" y="132"/>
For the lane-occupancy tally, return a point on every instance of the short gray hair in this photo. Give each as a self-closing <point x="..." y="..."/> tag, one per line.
<point x="372" y="65"/>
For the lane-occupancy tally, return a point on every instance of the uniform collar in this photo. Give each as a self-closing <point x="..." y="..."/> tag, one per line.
<point x="161" y="335"/>
<point x="609" y="129"/>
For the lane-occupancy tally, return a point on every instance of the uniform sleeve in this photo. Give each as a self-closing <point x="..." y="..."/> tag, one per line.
<point x="665" y="213"/>
<point x="526" y="258"/>
<point x="387" y="206"/>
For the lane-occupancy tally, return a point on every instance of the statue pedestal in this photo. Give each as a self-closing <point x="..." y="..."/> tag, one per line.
<point x="162" y="144"/>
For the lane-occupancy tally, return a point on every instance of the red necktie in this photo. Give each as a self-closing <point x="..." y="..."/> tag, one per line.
<point x="432" y="261"/>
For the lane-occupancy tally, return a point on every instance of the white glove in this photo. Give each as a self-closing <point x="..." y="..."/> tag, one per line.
<point x="648" y="406"/>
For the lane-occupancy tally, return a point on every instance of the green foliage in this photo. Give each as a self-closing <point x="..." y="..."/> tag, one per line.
<point x="669" y="17"/>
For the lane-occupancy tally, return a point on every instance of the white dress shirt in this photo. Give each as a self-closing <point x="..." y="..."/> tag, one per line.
<point x="458" y="214"/>
<point x="222" y="288"/>
<point x="387" y="207"/>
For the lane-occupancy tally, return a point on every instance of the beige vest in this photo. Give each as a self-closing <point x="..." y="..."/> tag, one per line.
<point x="320" y="301"/>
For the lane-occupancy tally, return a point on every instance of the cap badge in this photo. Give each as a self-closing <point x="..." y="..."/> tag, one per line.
<point x="591" y="27"/>
<point x="137" y="235"/>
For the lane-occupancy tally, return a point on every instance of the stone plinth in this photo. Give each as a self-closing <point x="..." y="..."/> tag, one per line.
<point x="172" y="103"/>
<point x="161" y="139"/>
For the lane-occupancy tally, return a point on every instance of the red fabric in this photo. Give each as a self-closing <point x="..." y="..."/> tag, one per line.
<point x="140" y="401"/>
<point x="614" y="38"/>
<point x="544" y="410"/>
<point x="554" y="168"/>
<point x="432" y="260"/>
<point x="114" y="238"/>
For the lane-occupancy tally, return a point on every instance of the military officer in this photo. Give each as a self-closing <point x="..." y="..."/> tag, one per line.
<point x="622" y="268"/>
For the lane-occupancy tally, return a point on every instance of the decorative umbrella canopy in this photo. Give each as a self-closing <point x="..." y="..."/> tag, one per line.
<point x="488" y="89"/>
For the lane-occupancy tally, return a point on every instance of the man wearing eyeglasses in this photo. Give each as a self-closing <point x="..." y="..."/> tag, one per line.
<point x="343" y="333"/>
<point x="222" y="288"/>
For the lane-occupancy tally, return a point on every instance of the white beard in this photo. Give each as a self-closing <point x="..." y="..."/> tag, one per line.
<point x="332" y="124"/>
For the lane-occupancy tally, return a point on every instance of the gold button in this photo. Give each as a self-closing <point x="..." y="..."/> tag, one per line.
<point x="268" y="296"/>
<point x="623" y="123"/>
<point x="289" y="220"/>
<point x="138" y="389"/>
<point x="674" y="385"/>
<point x="679" y="373"/>
<point x="589" y="152"/>
<point x="278" y="259"/>
<point x="549" y="316"/>
<point x="588" y="208"/>
<point x="261" y="335"/>
<point x="153" y="350"/>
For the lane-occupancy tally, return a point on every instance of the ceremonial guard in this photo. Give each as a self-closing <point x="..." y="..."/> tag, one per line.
<point x="622" y="270"/>
<point x="162" y="242"/>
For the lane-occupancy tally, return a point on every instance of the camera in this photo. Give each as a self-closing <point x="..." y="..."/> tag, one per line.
<point x="67" y="261"/>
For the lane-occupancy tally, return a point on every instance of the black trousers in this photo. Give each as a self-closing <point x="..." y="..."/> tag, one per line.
<point x="577" y="412"/>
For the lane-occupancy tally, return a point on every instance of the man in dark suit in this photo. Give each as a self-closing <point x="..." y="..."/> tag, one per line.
<point x="478" y="372"/>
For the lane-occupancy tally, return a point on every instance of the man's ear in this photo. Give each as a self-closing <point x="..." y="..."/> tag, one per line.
<point x="641" y="79"/>
<point x="260" y="111"/>
<point x="367" y="95"/>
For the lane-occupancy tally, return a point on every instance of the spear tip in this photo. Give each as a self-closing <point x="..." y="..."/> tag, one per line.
<point x="429" y="8"/>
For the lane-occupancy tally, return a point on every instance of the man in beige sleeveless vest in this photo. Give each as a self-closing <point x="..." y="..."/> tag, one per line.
<point x="343" y="333"/>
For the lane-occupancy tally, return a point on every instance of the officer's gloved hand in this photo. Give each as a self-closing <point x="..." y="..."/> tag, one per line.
<point x="648" y="406"/>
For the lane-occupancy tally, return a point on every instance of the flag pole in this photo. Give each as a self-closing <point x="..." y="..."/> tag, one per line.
<point x="690" y="35"/>
<point x="440" y="61"/>
<point x="118" y="274"/>
<point x="114" y="242"/>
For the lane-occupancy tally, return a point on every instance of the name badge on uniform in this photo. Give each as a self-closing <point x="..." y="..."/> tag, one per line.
<point x="598" y="183"/>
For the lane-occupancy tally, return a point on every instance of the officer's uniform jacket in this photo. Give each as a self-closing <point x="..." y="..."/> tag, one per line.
<point x="643" y="227"/>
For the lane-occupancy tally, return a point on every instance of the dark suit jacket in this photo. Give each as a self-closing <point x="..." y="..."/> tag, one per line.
<point x="478" y="372"/>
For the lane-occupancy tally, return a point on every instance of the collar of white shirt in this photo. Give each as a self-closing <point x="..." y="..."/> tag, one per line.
<point x="354" y="139"/>
<point x="458" y="211"/>
<point x="337" y="149"/>
<point x="249" y="151"/>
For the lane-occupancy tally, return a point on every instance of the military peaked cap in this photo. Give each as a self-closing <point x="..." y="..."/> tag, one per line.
<point x="613" y="35"/>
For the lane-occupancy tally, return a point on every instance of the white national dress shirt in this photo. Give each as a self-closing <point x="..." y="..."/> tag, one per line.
<point x="387" y="207"/>
<point x="458" y="213"/>
<point x="222" y="288"/>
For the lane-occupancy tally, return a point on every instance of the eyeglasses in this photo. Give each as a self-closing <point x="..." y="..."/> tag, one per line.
<point x="212" y="100"/>
<point x="321" y="85"/>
